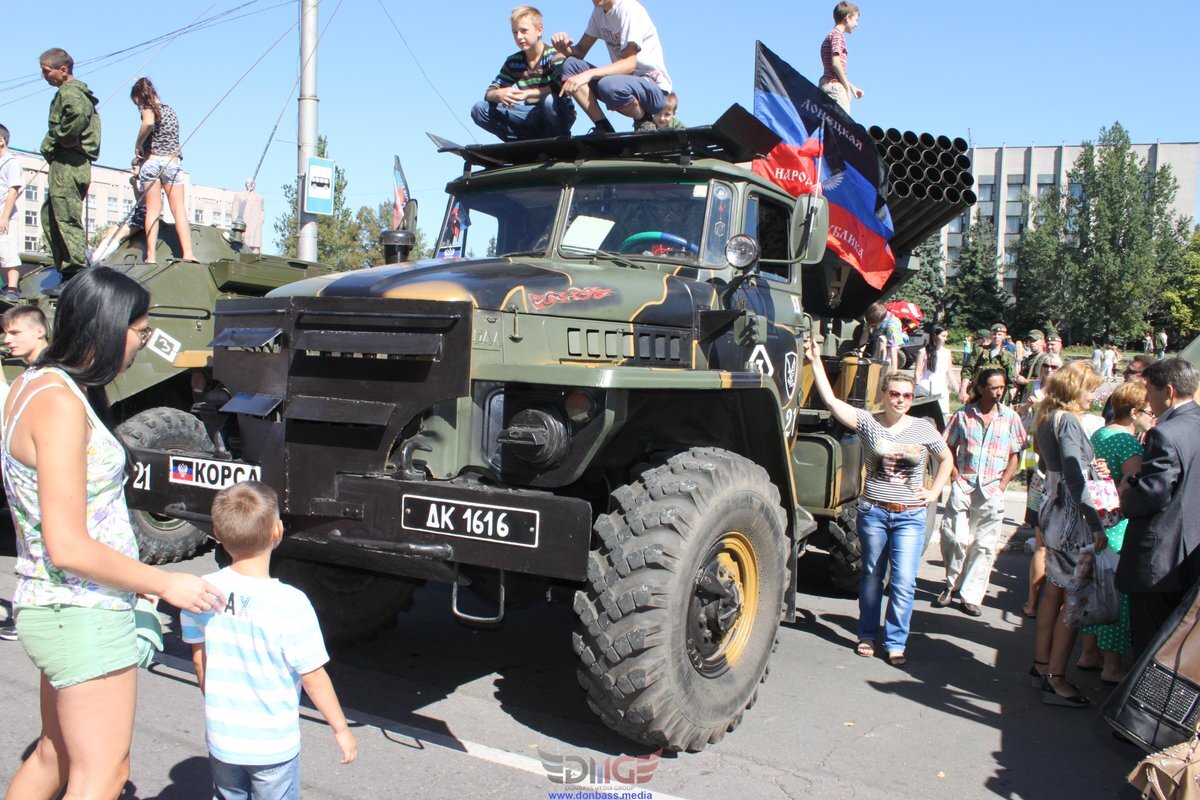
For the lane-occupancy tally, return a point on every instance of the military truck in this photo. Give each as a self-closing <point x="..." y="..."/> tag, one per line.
<point x="154" y="398"/>
<point x="611" y="403"/>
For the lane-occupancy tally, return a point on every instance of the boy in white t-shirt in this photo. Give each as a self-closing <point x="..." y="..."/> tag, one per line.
<point x="11" y="183"/>
<point x="635" y="84"/>
<point x="252" y="658"/>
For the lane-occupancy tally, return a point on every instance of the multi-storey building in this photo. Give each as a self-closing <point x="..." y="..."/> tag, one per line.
<point x="1005" y="177"/>
<point x="109" y="201"/>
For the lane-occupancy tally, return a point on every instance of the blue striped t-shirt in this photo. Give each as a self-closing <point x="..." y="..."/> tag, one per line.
<point x="257" y="649"/>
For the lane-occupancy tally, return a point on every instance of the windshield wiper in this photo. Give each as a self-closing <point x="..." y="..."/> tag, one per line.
<point x="523" y="253"/>
<point x="618" y="258"/>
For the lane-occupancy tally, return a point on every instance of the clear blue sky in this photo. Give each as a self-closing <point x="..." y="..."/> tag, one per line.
<point x="1018" y="72"/>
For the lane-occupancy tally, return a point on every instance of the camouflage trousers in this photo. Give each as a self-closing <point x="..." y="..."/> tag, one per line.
<point x="62" y="213"/>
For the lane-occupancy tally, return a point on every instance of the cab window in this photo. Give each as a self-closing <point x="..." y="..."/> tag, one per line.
<point x="768" y="221"/>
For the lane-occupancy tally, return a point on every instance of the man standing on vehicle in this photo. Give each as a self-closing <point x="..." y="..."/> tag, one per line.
<point x="833" y="57"/>
<point x="72" y="143"/>
<point x="986" y="438"/>
<point x="635" y="84"/>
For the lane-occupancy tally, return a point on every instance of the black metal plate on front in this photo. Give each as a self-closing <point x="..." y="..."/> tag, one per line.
<point x="245" y="337"/>
<point x="258" y="405"/>
<point x="508" y="525"/>
<point x="352" y="412"/>
<point x="555" y="546"/>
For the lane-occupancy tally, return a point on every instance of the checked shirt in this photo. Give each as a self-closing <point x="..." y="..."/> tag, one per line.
<point x="981" y="451"/>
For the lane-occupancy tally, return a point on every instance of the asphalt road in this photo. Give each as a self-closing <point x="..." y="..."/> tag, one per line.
<point x="445" y="711"/>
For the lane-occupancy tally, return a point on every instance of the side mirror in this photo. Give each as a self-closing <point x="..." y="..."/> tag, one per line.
<point x="810" y="228"/>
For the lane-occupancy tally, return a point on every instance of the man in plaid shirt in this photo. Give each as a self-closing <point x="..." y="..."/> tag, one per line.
<point x="986" y="438"/>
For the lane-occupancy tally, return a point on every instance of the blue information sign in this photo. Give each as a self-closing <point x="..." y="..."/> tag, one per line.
<point x="318" y="186"/>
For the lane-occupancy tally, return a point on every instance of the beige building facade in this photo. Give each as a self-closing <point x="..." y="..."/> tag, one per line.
<point x="110" y="199"/>
<point x="1006" y="176"/>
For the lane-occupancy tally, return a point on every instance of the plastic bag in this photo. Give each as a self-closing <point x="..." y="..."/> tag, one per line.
<point x="1092" y="597"/>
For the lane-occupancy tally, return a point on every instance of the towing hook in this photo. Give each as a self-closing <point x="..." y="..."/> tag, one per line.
<point x="407" y="470"/>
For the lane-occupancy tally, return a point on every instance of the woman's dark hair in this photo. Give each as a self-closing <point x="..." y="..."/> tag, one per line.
<point x="931" y="345"/>
<point x="144" y="95"/>
<point x="94" y="313"/>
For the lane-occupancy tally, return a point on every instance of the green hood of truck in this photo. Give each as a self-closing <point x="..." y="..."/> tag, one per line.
<point x="600" y="292"/>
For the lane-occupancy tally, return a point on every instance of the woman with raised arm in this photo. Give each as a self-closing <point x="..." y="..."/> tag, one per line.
<point x="158" y="159"/>
<point x="894" y="507"/>
<point x="77" y="567"/>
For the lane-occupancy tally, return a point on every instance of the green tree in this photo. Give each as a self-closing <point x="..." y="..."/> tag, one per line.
<point x="928" y="287"/>
<point x="339" y="236"/>
<point x="374" y="221"/>
<point x="1123" y="243"/>
<point x="1181" y="298"/>
<point x="1043" y="268"/>
<point x="973" y="295"/>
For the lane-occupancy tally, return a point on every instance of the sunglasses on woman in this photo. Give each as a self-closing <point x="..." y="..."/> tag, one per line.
<point x="895" y="395"/>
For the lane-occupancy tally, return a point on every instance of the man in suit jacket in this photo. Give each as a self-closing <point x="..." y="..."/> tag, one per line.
<point x="1160" y="557"/>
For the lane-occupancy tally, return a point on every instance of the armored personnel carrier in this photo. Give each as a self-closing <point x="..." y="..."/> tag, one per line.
<point x="611" y="404"/>
<point x="153" y="399"/>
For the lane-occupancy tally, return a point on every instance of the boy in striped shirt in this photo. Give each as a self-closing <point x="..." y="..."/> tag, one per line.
<point x="523" y="102"/>
<point x="252" y="658"/>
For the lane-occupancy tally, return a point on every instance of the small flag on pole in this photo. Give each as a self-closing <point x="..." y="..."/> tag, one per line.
<point x="402" y="195"/>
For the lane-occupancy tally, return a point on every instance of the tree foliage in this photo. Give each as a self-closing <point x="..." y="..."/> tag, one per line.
<point x="928" y="287"/>
<point x="973" y="296"/>
<point x="1181" y="298"/>
<point x="1042" y="295"/>
<point x="345" y="239"/>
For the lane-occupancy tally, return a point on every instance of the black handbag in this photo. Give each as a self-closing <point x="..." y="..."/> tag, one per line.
<point x="1158" y="703"/>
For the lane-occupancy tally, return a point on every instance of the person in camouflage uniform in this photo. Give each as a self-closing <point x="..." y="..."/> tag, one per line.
<point x="989" y="353"/>
<point x="1030" y="369"/>
<point x="72" y="143"/>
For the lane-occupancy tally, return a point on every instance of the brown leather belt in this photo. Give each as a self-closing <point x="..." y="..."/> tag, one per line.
<point x="895" y="508"/>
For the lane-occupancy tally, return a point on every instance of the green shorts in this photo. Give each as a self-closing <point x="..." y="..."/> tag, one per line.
<point x="73" y="644"/>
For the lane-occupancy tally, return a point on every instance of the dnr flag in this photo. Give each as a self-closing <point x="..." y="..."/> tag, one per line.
<point x="825" y="152"/>
<point x="401" y="196"/>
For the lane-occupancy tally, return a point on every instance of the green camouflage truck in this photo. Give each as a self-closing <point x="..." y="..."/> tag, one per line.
<point x="611" y="401"/>
<point x="152" y="401"/>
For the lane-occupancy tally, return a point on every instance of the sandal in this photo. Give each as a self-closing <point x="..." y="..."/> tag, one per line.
<point x="1036" y="676"/>
<point x="897" y="660"/>
<point x="865" y="649"/>
<point x="1028" y="611"/>
<point x="1051" y="697"/>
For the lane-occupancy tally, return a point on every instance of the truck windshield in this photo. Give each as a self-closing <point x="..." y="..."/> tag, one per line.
<point x="657" y="220"/>
<point x="499" y="222"/>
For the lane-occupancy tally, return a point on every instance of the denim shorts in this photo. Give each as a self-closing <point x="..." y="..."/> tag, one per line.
<point x="255" y="781"/>
<point x="166" y="169"/>
<point x="73" y="644"/>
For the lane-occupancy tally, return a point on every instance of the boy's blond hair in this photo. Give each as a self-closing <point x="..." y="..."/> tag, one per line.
<point x="842" y="11"/>
<point x="244" y="517"/>
<point x="521" y="12"/>
<point x="670" y="101"/>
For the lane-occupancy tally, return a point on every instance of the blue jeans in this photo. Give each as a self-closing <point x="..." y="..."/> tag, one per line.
<point x="553" y="116"/>
<point x="895" y="538"/>
<point x="255" y="782"/>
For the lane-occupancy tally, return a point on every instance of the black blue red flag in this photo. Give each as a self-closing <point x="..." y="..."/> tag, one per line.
<point x="825" y="152"/>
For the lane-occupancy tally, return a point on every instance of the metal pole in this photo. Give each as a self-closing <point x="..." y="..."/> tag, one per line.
<point x="306" y="233"/>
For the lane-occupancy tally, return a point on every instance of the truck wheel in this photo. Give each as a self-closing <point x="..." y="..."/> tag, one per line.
<point x="845" y="556"/>
<point x="683" y="600"/>
<point x="163" y="540"/>
<point x="351" y="604"/>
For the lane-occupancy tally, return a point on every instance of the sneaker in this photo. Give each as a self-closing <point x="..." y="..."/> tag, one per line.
<point x="645" y="124"/>
<point x="601" y="127"/>
<point x="944" y="599"/>
<point x="8" y="632"/>
<point x="10" y="295"/>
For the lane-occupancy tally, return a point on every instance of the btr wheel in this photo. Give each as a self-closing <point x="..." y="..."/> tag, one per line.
<point x="161" y="539"/>
<point x="845" y="554"/>
<point x="351" y="604"/>
<point x="683" y="599"/>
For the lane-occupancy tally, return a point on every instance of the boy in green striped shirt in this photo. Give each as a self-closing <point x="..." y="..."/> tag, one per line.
<point x="522" y="102"/>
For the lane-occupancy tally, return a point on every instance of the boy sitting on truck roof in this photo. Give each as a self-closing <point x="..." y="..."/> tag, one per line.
<point x="523" y="101"/>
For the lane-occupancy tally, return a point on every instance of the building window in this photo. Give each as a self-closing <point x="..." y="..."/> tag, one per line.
<point x="198" y="216"/>
<point x="1013" y="192"/>
<point x="952" y="255"/>
<point x="1010" y="257"/>
<point x="985" y="192"/>
<point x="228" y="220"/>
<point x="126" y="205"/>
<point x="1012" y="224"/>
<point x="32" y="244"/>
<point x="1010" y="285"/>
<point x="956" y="224"/>
<point x="91" y="226"/>
<point x="31" y="193"/>
<point x="31" y="218"/>
<point x="112" y="205"/>
<point x="91" y="202"/>
<point x="1075" y="190"/>
<point x="1044" y="190"/>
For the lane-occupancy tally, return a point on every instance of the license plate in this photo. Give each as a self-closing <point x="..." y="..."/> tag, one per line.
<point x="210" y="474"/>
<point x="480" y="521"/>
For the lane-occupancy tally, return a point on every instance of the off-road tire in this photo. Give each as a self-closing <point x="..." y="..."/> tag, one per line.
<point x="163" y="540"/>
<point x="634" y="642"/>
<point x="351" y="604"/>
<point x="845" y="556"/>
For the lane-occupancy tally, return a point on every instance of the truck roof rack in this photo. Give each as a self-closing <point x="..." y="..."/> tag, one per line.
<point x="737" y="136"/>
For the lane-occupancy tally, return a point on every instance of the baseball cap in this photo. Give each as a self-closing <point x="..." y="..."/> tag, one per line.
<point x="1036" y="335"/>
